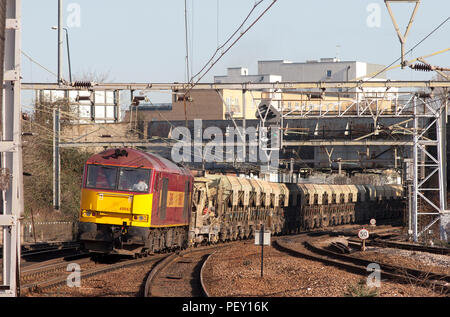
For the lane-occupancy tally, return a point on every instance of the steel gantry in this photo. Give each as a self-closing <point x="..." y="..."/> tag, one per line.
<point x="427" y="111"/>
<point x="433" y="150"/>
<point x="11" y="150"/>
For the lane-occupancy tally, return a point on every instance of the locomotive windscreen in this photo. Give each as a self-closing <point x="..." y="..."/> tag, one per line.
<point x="118" y="178"/>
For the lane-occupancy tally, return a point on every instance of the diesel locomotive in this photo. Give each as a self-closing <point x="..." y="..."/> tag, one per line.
<point x="135" y="202"/>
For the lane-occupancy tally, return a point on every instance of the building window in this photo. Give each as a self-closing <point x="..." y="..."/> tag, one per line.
<point x="328" y="73"/>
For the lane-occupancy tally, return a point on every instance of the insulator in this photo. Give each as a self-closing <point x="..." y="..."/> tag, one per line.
<point x="82" y="84"/>
<point x="422" y="67"/>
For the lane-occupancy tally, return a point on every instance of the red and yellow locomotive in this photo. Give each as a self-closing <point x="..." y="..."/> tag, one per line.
<point x="134" y="202"/>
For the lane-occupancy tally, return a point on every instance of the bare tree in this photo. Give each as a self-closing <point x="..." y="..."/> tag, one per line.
<point x="94" y="76"/>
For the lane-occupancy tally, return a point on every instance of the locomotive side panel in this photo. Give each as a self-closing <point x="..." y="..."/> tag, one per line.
<point x="172" y="200"/>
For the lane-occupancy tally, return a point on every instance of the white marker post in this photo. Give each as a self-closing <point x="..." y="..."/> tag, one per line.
<point x="363" y="234"/>
<point x="262" y="237"/>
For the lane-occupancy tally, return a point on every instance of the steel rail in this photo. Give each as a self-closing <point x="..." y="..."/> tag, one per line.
<point x="359" y="266"/>
<point x="169" y="260"/>
<point x="59" y="281"/>
<point x="385" y="267"/>
<point x="202" y="280"/>
<point x="409" y="246"/>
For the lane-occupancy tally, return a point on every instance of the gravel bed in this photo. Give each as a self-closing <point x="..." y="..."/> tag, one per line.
<point x="181" y="278"/>
<point x="235" y="271"/>
<point x="424" y="261"/>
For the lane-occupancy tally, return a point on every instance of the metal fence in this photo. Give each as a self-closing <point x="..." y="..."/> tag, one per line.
<point x="57" y="231"/>
<point x="48" y="231"/>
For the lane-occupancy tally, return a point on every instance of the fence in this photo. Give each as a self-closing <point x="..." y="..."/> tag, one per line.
<point x="57" y="231"/>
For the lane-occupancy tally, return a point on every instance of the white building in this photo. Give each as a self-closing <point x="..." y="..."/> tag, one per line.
<point x="240" y="75"/>
<point x="325" y="69"/>
<point x="86" y="106"/>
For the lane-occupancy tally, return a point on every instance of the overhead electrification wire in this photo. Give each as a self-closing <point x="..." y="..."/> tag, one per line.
<point x="37" y="63"/>
<point x="192" y="84"/>
<point x="186" y="39"/>
<point x="192" y="37"/>
<point x="213" y="62"/>
<point x="411" y="49"/>
<point x="219" y="48"/>
<point x="217" y="22"/>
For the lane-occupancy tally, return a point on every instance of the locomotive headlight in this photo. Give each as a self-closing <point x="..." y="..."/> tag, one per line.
<point x="142" y="218"/>
<point x="87" y="213"/>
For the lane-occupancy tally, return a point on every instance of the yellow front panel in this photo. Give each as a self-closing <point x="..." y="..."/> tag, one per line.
<point x="116" y="208"/>
<point x="142" y="204"/>
<point x="115" y="202"/>
<point x="103" y="201"/>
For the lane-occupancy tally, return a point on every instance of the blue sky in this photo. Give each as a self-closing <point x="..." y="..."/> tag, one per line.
<point x="143" y="41"/>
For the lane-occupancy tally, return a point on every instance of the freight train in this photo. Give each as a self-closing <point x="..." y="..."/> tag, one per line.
<point x="136" y="203"/>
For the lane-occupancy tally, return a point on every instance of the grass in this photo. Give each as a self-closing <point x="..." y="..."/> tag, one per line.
<point x="361" y="290"/>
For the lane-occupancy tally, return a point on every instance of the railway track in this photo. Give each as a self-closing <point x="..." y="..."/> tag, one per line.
<point x="48" y="277"/>
<point x="46" y="249"/>
<point x="181" y="274"/>
<point x="35" y="272"/>
<point x="407" y="246"/>
<point x="306" y="247"/>
<point x="44" y="258"/>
